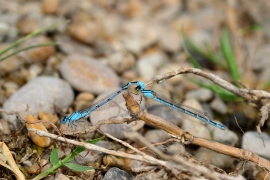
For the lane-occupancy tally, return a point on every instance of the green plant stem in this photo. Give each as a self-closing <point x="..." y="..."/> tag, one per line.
<point x="30" y="36"/>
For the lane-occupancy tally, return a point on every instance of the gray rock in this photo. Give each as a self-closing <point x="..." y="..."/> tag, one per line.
<point x="201" y="94"/>
<point x="117" y="174"/>
<point x="121" y="61"/>
<point x="218" y="105"/>
<point x="223" y="136"/>
<point x="166" y="113"/>
<point x="175" y="148"/>
<point x="116" y="109"/>
<point x="41" y="94"/>
<point x="147" y="65"/>
<point x="253" y="142"/>
<point x="156" y="136"/>
<point x="217" y="159"/>
<point x="87" y="74"/>
<point x="194" y="125"/>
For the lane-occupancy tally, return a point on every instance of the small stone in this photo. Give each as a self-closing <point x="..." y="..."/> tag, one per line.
<point x="175" y="148"/>
<point x="37" y="54"/>
<point x="29" y="23"/>
<point x="117" y="174"/>
<point x="110" y="160"/>
<point x="87" y="74"/>
<point x="194" y="125"/>
<point x="201" y="94"/>
<point x="11" y="88"/>
<point x="87" y="157"/>
<point x="223" y="136"/>
<point x="40" y="94"/>
<point x="121" y="61"/>
<point x="33" y="71"/>
<point x="166" y="113"/>
<point x="47" y="117"/>
<point x="34" y="169"/>
<point x="84" y="29"/>
<point x="254" y="143"/>
<point x="60" y="176"/>
<point x="218" y="105"/>
<point x="156" y="136"/>
<point x="4" y="127"/>
<point x="148" y="64"/>
<point x="217" y="159"/>
<point x="84" y="99"/>
<point x="50" y="6"/>
<point x="32" y="122"/>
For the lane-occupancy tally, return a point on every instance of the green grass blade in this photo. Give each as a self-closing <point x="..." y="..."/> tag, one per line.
<point x="77" y="167"/>
<point x="222" y="93"/>
<point x="229" y="56"/>
<point x="54" y="156"/>
<point x="33" y="34"/>
<point x="27" y="48"/>
<point x="190" y="57"/>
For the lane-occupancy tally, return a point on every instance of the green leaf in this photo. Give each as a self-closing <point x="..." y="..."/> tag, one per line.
<point x="229" y="56"/>
<point x="54" y="156"/>
<point x="94" y="141"/>
<point x="77" y="167"/>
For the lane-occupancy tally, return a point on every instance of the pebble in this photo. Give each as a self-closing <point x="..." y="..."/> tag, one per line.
<point x="156" y="136"/>
<point x="218" y="105"/>
<point x="118" y="174"/>
<point x="148" y="64"/>
<point x="194" y="125"/>
<point x="166" y="113"/>
<point x="113" y="161"/>
<point x="50" y="6"/>
<point x="38" y="140"/>
<point x="41" y="94"/>
<point x="48" y="117"/>
<point x="175" y="148"/>
<point x="253" y="142"/>
<point x="118" y="111"/>
<point x="83" y="99"/>
<point x="200" y="94"/>
<point x="87" y="157"/>
<point x="87" y="74"/>
<point x="60" y="176"/>
<point x="217" y="159"/>
<point x="223" y="136"/>
<point x="37" y="54"/>
<point x="121" y="61"/>
<point x="4" y="127"/>
<point x="34" y="169"/>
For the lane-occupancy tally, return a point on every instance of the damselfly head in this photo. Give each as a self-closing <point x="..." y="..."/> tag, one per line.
<point x="65" y="119"/>
<point x="138" y="88"/>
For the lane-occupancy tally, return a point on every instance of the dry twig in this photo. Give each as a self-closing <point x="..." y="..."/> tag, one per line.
<point x="246" y="155"/>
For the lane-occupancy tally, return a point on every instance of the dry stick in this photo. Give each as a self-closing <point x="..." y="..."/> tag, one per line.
<point x="144" y="158"/>
<point x="247" y="94"/>
<point x="137" y="113"/>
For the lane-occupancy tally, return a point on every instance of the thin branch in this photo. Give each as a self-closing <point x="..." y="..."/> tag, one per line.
<point x="137" y="113"/>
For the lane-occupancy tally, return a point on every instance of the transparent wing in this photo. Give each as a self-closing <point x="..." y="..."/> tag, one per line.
<point x="118" y="99"/>
<point x="200" y="113"/>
